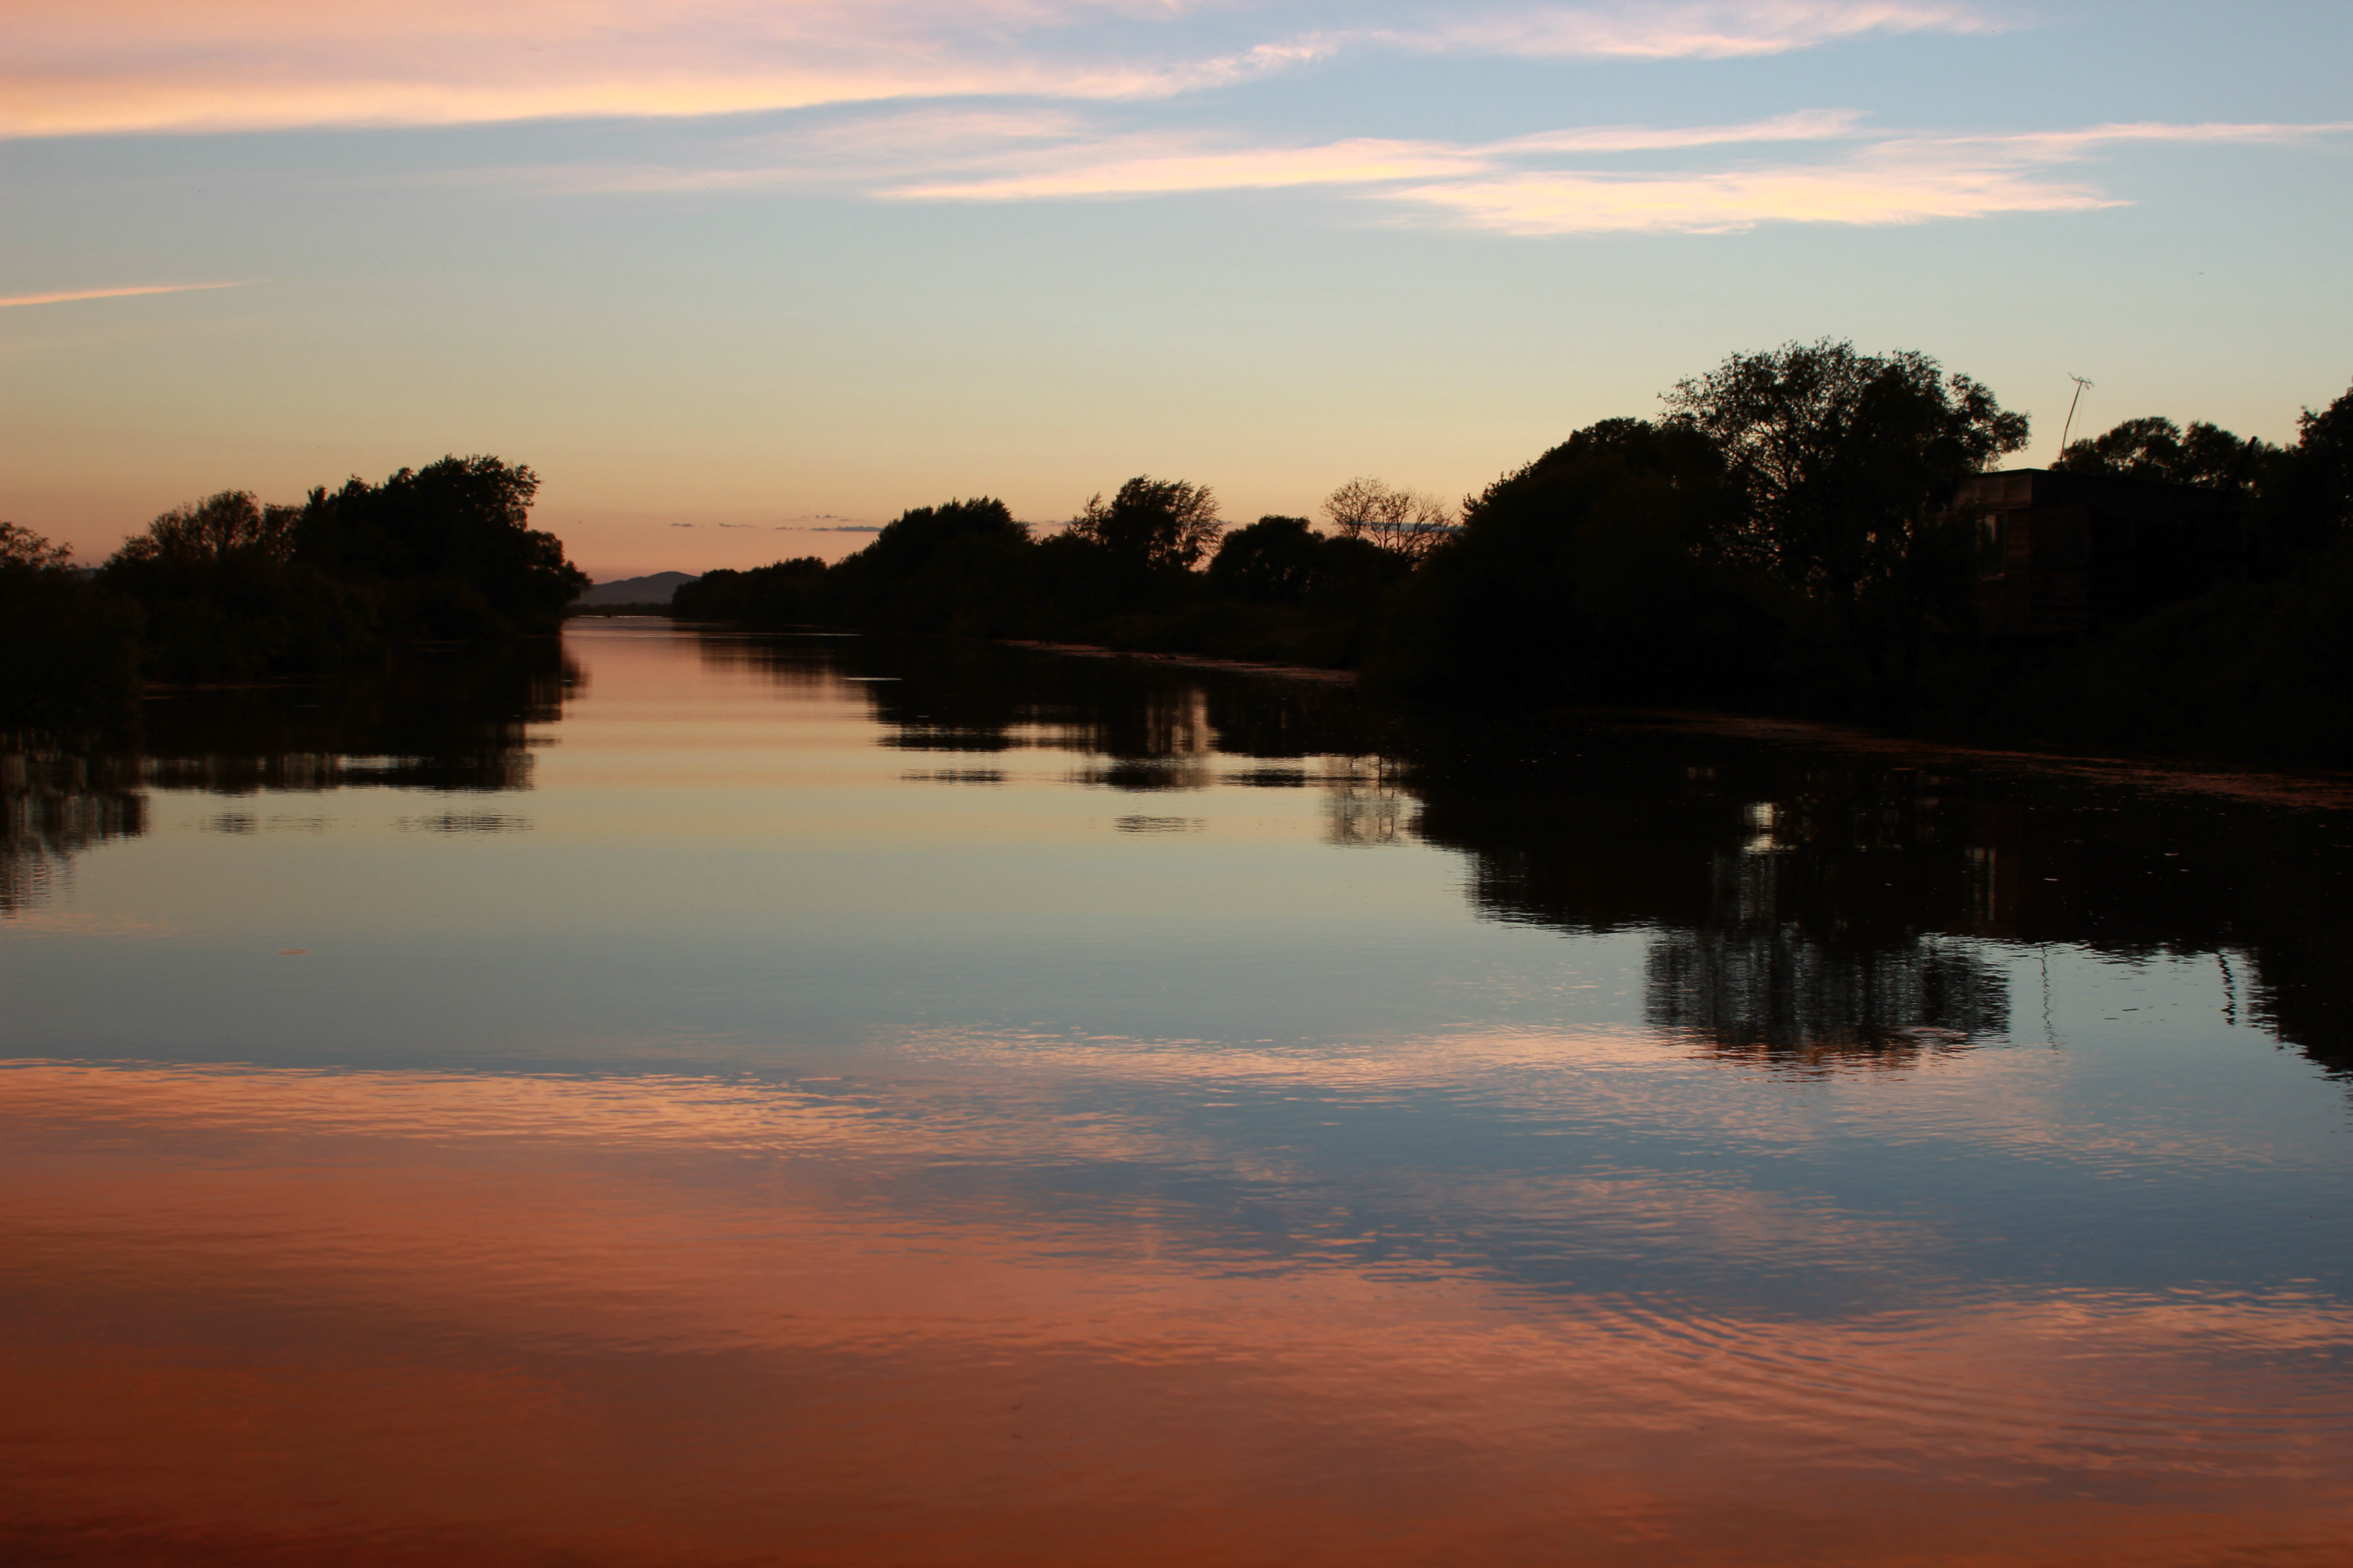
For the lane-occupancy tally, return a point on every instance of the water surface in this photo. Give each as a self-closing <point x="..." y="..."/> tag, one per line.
<point x="701" y="1099"/>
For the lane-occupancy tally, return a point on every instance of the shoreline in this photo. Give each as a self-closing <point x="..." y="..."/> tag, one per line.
<point x="1188" y="660"/>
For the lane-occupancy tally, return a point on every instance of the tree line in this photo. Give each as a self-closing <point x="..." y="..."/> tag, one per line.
<point x="1778" y="539"/>
<point x="229" y="589"/>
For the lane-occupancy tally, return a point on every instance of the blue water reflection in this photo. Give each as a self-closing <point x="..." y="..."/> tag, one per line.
<point x="731" y="1076"/>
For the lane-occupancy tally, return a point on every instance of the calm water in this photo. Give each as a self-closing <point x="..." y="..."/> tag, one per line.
<point x="719" y="1101"/>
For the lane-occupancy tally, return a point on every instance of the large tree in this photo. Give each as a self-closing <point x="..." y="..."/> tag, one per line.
<point x="460" y="526"/>
<point x="1157" y="524"/>
<point x="1406" y="523"/>
<point x="1848" y="461"/>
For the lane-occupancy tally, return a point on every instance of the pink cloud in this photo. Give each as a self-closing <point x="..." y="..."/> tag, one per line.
<point x="142" y="65"/>
<point x="102" y="66"/>
<point x="1490" y="185"/>
<point x="1156" y="166"/>
<point x="1703" y="31"/>
<point x="69" y="296"/>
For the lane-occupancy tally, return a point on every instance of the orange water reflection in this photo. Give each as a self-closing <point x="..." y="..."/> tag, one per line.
<point x="391" y="1318"/>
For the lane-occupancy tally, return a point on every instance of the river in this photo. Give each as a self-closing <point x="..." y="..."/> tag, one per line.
<point x="704" y="1099"/>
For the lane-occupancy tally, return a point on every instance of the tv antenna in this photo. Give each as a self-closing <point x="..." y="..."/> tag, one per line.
<point x="2082" y="386"/>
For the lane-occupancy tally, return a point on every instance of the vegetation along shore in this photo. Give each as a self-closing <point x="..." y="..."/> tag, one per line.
<point x="1806" y="532"/>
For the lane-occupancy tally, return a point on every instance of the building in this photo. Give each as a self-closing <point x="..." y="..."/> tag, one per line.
<point x="2060" y="554"/>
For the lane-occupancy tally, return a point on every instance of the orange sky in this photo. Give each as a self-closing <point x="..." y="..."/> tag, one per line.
<point x="732" y="276"/>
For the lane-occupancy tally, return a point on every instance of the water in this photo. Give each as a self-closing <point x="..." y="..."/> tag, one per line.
<point x="714" y="1099"/>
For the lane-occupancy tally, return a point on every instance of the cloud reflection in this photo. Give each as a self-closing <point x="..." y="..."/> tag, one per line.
<point x="677" y="1321"/>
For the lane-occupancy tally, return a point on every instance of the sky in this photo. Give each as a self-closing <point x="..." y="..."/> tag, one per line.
<point x="740" y="280"/>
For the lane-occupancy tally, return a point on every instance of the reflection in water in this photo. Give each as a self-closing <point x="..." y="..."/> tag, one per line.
<point x="439" y="720"/>
<point x="1098" y="1167"/>
<point x="54" y="803"/>
<point x="1804" y="901"/>
<point x="694" y="1322"/>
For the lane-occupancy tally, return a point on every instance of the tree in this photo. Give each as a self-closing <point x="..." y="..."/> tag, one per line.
<point x="1274" y="560"/>
<point x="231" y="526"/>
<point x="69" y="647"/>
<point x="1160" y="525"/>
<point x="456" y="536"/>
<point x="1847" y="461"/>
<point x="2206" y="455"/>
<point x="1596" y="573"/>
<point x="916" y="534"/>
<point x="1401" y="522"/>
<point x="22" y="549"/>
<point x="2307" y="504"/>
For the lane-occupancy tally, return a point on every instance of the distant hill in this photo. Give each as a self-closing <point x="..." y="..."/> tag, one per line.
<point x="654" y="590"/>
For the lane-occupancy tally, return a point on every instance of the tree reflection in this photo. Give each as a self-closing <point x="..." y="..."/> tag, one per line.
<point x="1806" y="904"/>
<point x="54" y="803"/>
<point x="1151" y="725"/>
<point x="1793" y="917"/>
<point x="439" y="719"/>
<point x="1803" y="902"/>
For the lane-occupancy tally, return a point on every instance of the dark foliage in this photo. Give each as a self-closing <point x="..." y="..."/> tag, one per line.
<point x="231" y="590"/>
<point x="1152" y="525"/>
<point x="2204" y="455"/>
<point x="1845" y="460"/>
<point x="225" y="598"/>
<point x="1785" y="539"/>
<point x="69" y="645"/>
<point x="1597" y="573"/>
<point x="788" y="593"/>
<point x="451" y="546"/>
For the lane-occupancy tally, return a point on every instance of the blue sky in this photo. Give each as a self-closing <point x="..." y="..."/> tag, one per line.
<point x="732" y="275"/>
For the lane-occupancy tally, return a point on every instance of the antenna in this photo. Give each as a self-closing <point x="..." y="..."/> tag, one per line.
<point x="2082" y="386"/>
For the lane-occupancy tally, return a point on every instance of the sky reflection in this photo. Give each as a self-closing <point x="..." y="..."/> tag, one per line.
<point x="801" y="1119"/>
<point x="695" y="1321"/>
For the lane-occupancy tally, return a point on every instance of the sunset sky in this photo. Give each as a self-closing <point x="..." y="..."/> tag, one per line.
<point x="737" y="277"/>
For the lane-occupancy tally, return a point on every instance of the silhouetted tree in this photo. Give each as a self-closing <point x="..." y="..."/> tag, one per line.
<point x="1158" y="525"/>
<point x="69" y="647"/>
<point x="1404" y="522"/>
<point x="1847" y="460"/>
<point x="454" y="541"/>
<point x="224" y="597"/>
<point x="2304" y="509"/>
<point x="961" y="566"/>
<point x="903" y="547"/>
<point x="1274" y="560"/>
<point x="1596" y="571"/>
<point x="224" y="528"/>
<point x="789" y="593"/>
<point x="2206" y="455"/>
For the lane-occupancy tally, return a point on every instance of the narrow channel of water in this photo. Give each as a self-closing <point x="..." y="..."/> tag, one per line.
<point x="701" y="1098"/>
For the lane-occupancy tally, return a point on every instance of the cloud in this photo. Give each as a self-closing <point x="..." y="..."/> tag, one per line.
<point x="1145" y="166"/>
<point x="1140" y="165"/>
<point x="1717" y="31"/>
<point x="110" y="66"/>
<point x="69" y="296"/>
<point x="1491" y="185"/>
<point x="1851" y="193"/>
<point x="113" y="65"/>
<point x="1901" y="180"/>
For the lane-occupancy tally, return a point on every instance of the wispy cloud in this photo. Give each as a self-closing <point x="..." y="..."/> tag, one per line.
<point x="1149" y="165"/>
<point x="66" y="297"/>
<point x="156" y="64"/>
<point x="101" y="65"/>
<point x="1898" y="180"/>
<point x="1850" y="179"/>
<point x="1702" y="31"/>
